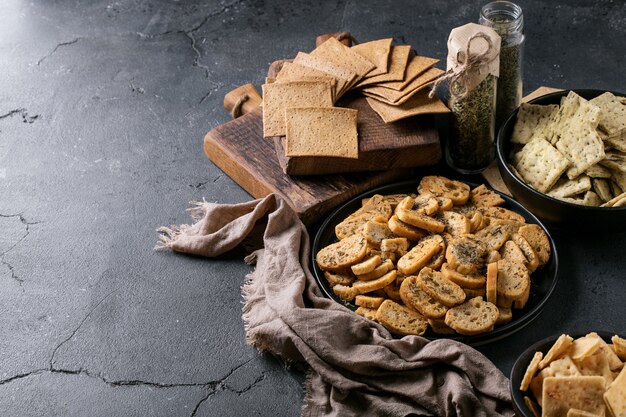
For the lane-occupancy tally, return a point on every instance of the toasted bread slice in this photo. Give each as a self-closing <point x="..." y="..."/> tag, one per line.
<point x="401" y="319"/>
<point x="422" y="203"/>
<point x="535" y="235"/>
<point x="342" y="254"/>
<point x="419" y="255"/>
<point x="374" y="231"/>
<point x="368" y="313"/>
<point x="368" y="265"/>
<point x="339" y="278"/>
<point x="481" y="196"/>
<point x="455" y="223"/>
<point x="413" y="296"/>
<point x="397" y="245"/>
<point x="502" y="213"/>
<point x="439" y="326"/>
<point x="513" y="282"/>
<point x="377" y="272"/>
<point x="400" y="228"/>
<point x="440" y="288"/>
<point x="456" y="191"/>
<point x="462" y="280"/>
<point x="363" y="287"/>
<point x="532" y="259"/>
<point x="368" y="301"/>
<point x="505" y="315"/>
<point x="492" y="282"/>
<point x="474" y="316"/>
<point x="437" y="260"/>
<point x="493" y="236"/>
<point x="466" y="255"/>
<point x="423" y="221"/>
<point x="512" y="252"/>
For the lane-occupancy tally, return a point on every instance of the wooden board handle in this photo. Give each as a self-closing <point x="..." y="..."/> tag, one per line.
<point x="242" y="100"/>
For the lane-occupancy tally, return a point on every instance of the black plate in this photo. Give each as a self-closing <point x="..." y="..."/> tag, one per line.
<point x="543" y="280"/>
<point x="552" y="211"/>
<point x="519" y="368"/>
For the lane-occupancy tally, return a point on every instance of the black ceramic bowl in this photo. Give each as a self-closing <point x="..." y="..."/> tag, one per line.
<point x="550" y="210"/>
<point x="519" y="368"/>
<point x="544" y="280"/>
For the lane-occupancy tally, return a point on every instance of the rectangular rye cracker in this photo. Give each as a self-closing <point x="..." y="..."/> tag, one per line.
<point x="295" y="72"/>
<point x="418" y="104"/>
<point x="322" y="132"/>
<point x="338" y="53"/>
<point x="377" y="52"/>
<point x="579" y="392"/>
<point x="540" y="164"/>
<point x="345" y="77"/>
<point x="279" y="96"/>
<point x="398" y="61"/>
<point x="417" y="66"/>
<point x="395" y="97"/>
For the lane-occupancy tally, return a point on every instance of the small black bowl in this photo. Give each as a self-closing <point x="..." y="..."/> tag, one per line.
<point x="519" y="368"/>
<point x="551" y="211"/>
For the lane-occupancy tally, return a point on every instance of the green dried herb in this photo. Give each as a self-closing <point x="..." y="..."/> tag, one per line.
<point x="470" y="145"/>
<point x="510" y="82"/>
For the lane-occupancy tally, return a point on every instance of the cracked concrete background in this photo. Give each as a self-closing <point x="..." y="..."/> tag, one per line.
<point x="103" y="108"/>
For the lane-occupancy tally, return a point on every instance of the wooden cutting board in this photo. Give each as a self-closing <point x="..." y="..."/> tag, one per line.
<point x="239" y="149"/>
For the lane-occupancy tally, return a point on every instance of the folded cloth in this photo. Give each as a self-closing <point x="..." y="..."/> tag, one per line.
<point x="355" y="367"/>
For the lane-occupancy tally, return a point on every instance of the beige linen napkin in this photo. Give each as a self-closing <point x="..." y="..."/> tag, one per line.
<point x="355" y="367"/>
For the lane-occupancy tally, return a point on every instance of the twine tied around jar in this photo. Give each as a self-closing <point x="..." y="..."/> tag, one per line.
<point x="471" y="62"/>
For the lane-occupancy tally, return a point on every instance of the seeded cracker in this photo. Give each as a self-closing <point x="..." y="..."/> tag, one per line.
<point x="580" y="392"/>
<point x="540" y="164"/>
<point x="613" y="114"/>
<point x="278" y="97"/>
<point x="531" y="118"/>
<point x="568" y="188"/>
<point x="330" y="131"/>
<point x="574" y="110"/>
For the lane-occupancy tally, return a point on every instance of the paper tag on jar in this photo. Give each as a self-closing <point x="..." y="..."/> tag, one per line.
<point x="473" y="53"/>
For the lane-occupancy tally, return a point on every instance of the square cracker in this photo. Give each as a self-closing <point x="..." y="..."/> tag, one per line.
<point x="279" y="96"/>
<point x="418" y="104"/>
<point x="531" y="118"/>
<point x="377" y="52"/>
<point x="342" y="55"/>
<point x="598" y="171"/>
<point x="614" y="361"/>
<point x="614" y="160"/>
<point x="417" y="66"/>
<point x="567" y="188"/>
<point x="616" y="141"/>
<point x="602" y="188"/>
<point x="583" y="347"/>
<point x="398" y="61"/>
<point x="322" y="132"/>
<point x="574" y="110"/>
<point x="615" y="396"/>
<point x="345" y="77"/>
<point x="596" y="364"/>
<point x="582" y="146"/>
<point x="579" y="392"/>
<point x="560" y="367"/>
<point x="612" y="113"/>
<point x="540" y="164"/>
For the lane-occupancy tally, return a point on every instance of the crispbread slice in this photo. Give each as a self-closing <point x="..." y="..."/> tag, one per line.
<point x="561" y="346"/>
<point x="401" y="319"/>
<point x="536" y="236"/>
<point x="415" y="297"/>
<point x="418" y="104"/>
<point x="540" y="164"/>
<point x="293" y="72"/>
<point x="614" y="160"/>
<point x="613" y="359"/>
<point x="394" y="97"/>
<point x="590" y="198"/>
<point x="532" y="369"/>
<point x="532" y="406"/>
<point x="342" y="55"/>
<point x="531" y="118"/>
<point x="440" y="288"/>
<point x="417" y="65"/>
<point x="580" y="392"/>
<point x="342" y="254"/>
<point x="398" y="61"/>
<point x="377" y="52"/>
<point x="596" y="364"/>
<point x="482" y="196"/>
<point x="615" y="396"/>
<point x="278" y="97"/>
<point x="567" y="188"/>
<point x="612" y="113"/>
<point x="330" y="131"/>
<point x="583" y="347"/>
<point x="419" y="255"/>
<point x="474" y="316"/>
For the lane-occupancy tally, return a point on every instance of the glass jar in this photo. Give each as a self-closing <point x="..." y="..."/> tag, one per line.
<point x="507" y="20"/>
<point x="471" y="143"/>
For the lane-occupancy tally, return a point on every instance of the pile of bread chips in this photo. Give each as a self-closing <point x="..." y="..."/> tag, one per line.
<point x="585" y="377"/>
<point x="575" y="152"/>
<point x="299" y="102"/>
<point x="446" y="257"/>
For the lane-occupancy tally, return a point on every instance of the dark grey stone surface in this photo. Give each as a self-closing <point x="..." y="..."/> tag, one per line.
<point x="103" y="108"/>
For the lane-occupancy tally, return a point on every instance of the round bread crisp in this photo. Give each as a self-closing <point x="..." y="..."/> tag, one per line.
<point x="413" y="296"/>
<point x="353" y="225"/>
<point x="481" y="196"/>
<point x="440" y="288"/>
<point x="513" y="280"/>
<point x="401" y="319"/>
<point x="505" y="316"/>
<point x="439" y="257"/>
<point x="456" y="223"/>
<point x="456" y="191"/>
<point x="534" y="234"/>
<point x="532" y="259"/>
<point x="439" y="326"/>
<point x="502" y="213"/>
<point x="462" y="280"/>
<point x="474" y="316"/>
<point x="421" y="220"/>
<point x="419" y="255"/>
<point x="422" y="203"/>
<point x="492" y="282"/>
<point x="342" y="254"/>
<point x="466" y="255"/>
<point x="402" y="229"/>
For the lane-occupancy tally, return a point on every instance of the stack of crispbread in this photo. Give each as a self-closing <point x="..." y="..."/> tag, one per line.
<point x="575" y="152"/>
<point x="447" y="257"/>
<point x="298" y="102"/>
<point x="585" y="377"/>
